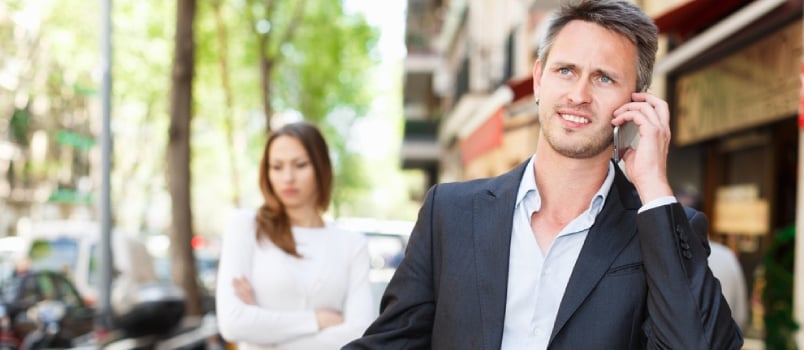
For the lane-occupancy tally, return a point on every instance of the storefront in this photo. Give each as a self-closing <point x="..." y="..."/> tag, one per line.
<point x="502" y="135"/>
<point x="733" y="90"/>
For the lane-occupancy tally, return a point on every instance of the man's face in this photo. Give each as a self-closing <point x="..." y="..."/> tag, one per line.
<point x="589" y="73"/>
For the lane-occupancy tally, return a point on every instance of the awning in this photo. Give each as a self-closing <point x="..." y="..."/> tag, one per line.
<point x="522" y="88"/>
<point x="501" y="97"/>
<point x="462" y="112"/>
<point x="712" y="36"/>
<point x="486" y="137"/>
<point x="693" y="15"/>
<point x="471" y="112"/>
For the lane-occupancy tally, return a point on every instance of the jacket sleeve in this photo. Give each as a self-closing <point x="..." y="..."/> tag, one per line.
<point x="408" y="304"/>
<point x="686" y="309"/>
<point x="241" y="322"/>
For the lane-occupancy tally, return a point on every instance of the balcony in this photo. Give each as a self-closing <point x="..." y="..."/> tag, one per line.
<point x="420" y="147"/>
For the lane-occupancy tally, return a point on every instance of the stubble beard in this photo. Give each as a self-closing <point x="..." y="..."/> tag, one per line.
<point x="582" y="147"/>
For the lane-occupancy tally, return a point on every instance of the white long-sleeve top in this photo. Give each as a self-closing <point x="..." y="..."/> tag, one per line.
<point x="332" y="274"/>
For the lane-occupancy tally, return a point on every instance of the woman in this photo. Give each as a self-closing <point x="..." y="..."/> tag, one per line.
<point x="286" y="279"/>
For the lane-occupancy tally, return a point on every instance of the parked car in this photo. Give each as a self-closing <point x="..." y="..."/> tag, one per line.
<point x="387" y="240"/>
<point x="20" y="293"/>
<point x="72" y="247"/>
<point x="12" y="251"/>
<point x="206" y="265"/>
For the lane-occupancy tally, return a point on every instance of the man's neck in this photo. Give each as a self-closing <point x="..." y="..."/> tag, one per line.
<point x="567" y="185"/>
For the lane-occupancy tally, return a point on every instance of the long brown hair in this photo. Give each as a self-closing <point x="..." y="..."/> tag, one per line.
<point x="273" y="221"/>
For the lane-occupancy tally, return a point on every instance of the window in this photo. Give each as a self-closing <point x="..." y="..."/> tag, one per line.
<point x="68" y="294"/>
<point x="60" y="254"/>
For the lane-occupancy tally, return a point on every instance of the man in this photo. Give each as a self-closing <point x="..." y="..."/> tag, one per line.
<point x="723" y="263"/>
<point x="564" y="252"/>
<point x="727" y="269"/>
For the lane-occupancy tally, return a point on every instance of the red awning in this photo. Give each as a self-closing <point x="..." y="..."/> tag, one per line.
<point x="485" y="138"/>
<point x="521" y="88"/>
<point x="692" y="16"/>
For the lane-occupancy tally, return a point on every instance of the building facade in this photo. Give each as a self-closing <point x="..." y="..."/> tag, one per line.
<point x="730" y="70"/>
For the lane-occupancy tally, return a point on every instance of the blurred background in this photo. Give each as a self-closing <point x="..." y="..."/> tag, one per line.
<point x="409" y="93"/>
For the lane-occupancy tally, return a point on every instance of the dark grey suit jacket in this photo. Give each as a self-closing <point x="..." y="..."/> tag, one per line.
<point x="641" y="281"/>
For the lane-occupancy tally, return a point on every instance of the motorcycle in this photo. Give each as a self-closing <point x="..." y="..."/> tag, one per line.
<point x="147" y="313"/>
<point x="8" y="341"/>
<point x="151" y="316"/>
<point x="47" y="315"/>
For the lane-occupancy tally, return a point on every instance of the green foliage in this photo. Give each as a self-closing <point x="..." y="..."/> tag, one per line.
<point x="324" y="72"/>
<point x="325" y="77"/>
<point x="327" y="64"/>
<point x="777" y="295"/>
<point x="20" y="126"/>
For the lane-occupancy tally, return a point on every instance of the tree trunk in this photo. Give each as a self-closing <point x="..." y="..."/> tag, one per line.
<point x="226" y="86"/>
<point x="270" y="47"/>
<point x="182" y="259"/>
<point x="266" y="71"/>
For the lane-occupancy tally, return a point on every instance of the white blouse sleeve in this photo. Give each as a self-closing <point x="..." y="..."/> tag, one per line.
<point x="241" y="322"/>
<point x="358" y="310"/>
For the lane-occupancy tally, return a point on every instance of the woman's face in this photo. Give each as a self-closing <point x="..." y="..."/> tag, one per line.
<point x="291" y="173"/>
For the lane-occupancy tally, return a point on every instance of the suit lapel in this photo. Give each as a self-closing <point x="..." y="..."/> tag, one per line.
<point x="614" y="227"/>
<point x="493" y="210"/>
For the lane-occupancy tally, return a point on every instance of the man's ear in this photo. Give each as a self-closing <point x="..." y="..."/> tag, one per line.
<point x="537" y="78"/>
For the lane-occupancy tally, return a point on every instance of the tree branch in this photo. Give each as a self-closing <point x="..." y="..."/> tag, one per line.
<point x="295" y="21"/>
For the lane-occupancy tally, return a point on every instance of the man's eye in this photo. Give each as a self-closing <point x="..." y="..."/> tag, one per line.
<point x="606" y="80"/>
<point x="563" y="71"/>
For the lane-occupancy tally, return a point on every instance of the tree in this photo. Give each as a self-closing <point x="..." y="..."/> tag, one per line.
<point x="310" y="58"/>
<point x="181" y="97"/>
<point x="319" y="70"/>
<point x="267" y="18"/>
<point x="228" y="98"/>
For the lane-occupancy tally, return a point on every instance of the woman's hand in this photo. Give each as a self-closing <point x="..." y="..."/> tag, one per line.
<point x="243" y="290"/>
<point x="328" y="318"/>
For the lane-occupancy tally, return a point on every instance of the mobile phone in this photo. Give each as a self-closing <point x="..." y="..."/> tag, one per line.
<point x="625" y="136"/>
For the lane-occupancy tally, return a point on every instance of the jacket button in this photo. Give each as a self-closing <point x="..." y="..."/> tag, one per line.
<point x="687" y="254"/>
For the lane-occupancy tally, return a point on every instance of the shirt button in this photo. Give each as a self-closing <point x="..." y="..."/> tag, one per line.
<point x="537" y="331"/>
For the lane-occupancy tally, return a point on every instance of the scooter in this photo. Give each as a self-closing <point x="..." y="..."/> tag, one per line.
<point x="190" y="334"/>
<point x="8" y="341"/>
<point x="47" y="315"/>
<point x="151" y="316"/>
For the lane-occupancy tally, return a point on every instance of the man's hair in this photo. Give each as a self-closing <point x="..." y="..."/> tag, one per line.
<point x="619" y="16"/>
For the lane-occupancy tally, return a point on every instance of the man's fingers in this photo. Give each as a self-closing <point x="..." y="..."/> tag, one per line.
<point x="659" y="107"/>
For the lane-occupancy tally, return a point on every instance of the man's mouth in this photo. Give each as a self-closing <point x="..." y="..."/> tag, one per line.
<point x="574" y="118"/>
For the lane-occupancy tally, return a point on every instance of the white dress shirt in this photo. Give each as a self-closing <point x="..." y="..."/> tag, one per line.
<point x="536" y="282"/>
<point x="332" y="274"/>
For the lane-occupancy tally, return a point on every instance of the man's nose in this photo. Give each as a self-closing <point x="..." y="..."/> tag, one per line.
<point x="580" y="92"/>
